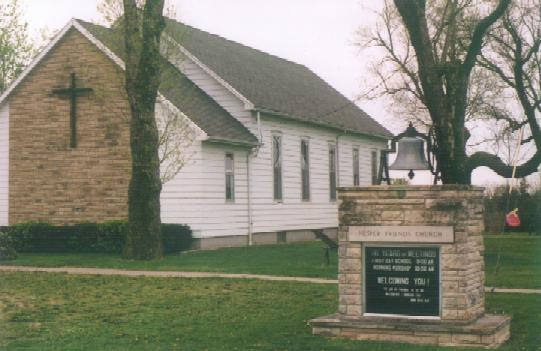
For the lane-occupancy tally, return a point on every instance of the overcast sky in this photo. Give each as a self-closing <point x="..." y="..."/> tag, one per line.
<point x="317" y="33"/>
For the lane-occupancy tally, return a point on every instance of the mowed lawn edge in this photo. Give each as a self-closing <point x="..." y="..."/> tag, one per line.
<point x="41" y="311"/>
<point x="519" y="262"/>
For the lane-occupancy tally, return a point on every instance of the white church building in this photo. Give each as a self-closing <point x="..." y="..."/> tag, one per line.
<point x="265" y="141"/>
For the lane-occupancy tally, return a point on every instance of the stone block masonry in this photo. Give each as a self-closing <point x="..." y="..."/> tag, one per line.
<point x="461" y="320"/>
<point x="462" y="267"/>
<point x="49" y="181"/>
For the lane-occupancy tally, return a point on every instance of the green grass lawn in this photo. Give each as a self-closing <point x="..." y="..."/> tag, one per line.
<point x="304" y="259"/>
<point x="520" y="263"/>
<point x="40" y="311"/>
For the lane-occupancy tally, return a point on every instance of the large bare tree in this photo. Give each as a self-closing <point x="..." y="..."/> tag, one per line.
<point x="142" y="33"/>
<point x="430" y="67"/>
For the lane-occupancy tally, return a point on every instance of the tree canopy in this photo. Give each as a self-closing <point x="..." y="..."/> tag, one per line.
<point x="458" y="67"/>
<point x="16" y="49"/>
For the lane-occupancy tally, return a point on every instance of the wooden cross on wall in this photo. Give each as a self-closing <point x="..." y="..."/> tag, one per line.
<point x="72" y="93"/>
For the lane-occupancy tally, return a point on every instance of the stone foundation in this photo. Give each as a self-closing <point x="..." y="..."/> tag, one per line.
<point x="271" y="238"/>
<point x="461" y="320"/>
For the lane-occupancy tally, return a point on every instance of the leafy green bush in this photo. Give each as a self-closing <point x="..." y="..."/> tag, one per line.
<point x="108" y="237"/>
<point x="7" y="251"/>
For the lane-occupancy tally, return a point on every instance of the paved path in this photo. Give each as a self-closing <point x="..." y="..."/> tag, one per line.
<point x="165" y="274"/>
<point x="172" y="274"/>
<point x="489" y="289"/>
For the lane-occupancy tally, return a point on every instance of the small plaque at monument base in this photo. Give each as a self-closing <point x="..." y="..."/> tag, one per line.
<point x="402" y="280"/>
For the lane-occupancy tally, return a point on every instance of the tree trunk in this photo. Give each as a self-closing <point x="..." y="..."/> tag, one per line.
<point x="144" y="239"/>
<point x="451" y="149"/>
<point x="142" y="34"/>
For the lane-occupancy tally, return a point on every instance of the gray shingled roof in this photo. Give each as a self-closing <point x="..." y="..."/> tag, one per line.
<point x="274" y="84"/>
<point x="184" y="94"/>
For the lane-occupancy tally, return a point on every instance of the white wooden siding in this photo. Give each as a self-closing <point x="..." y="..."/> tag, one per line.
<point x="4" y="164"/>
<point x="345" y="149"/>
<point x="294" y="213"/>
<point x="197" y="195"/>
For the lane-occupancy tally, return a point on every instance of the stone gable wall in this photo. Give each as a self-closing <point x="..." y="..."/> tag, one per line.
<point x="49" y="181"/>
<point x="462" y="266"/>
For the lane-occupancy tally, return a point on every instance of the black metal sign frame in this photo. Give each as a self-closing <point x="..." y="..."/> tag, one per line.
<point x="402" y="293"/>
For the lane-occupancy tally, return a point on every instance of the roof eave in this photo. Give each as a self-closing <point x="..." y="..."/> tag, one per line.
<point x="235" y="142"/>
<point x="321" y="124"/>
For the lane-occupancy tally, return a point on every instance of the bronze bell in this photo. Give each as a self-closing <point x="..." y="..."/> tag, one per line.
<point x="411" y="155"/>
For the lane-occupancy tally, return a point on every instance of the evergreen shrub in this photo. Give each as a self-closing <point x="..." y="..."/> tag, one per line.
<point x="7" y="250"/>
<point x="108" y="237"/>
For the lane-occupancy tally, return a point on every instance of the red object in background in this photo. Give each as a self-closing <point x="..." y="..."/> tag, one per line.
<point x="512" y="219"/>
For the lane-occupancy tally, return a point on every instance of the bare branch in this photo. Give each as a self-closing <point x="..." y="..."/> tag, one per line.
<point x="496" y="164"/>
<point x="479" y="34"/>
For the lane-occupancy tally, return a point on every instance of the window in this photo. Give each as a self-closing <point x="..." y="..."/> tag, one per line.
<point x="229" y="177"/>
<point x="332" y="172"/>
<point x="356" y="179"/>
<point x="374" y="167"/>
<point x="305" y="169"/>
<point x="277" y="166"/>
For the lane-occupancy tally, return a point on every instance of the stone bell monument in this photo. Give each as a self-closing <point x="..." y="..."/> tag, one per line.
<point x="411" y="268"/>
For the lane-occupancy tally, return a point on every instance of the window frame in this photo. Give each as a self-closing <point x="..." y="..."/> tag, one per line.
<point x="230" y="173"/>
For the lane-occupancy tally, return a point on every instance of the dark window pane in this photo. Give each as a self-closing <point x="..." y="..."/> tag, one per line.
<point x="305" y="170"/>
<point x="332" y="172"/>
<point x="356" y="180"/>
<point x="374" y="167"/>
<point x="229" y="195"/>
<point x="229" y="176"/>
<point x="277" y="166"/>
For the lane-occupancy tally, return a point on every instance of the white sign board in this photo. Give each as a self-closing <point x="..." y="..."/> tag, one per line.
<point x="417" y="234"/>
